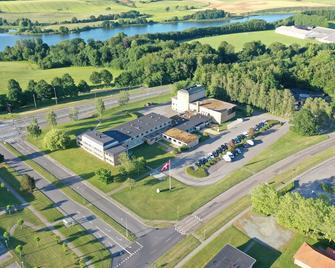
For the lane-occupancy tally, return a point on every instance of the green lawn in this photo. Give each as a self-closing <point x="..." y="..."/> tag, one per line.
<point x="59" y="10"/>
<point x="230" y="236"/>
<point x="76" y="234"/>
<point x="265" y="256"/>
<point x="24" y="71"/>
<point x="183" y="200"/>
<point x="47" y="254"/>
<point x="238" y="39"/>
<point x="171" y="258"/>
<point x="89" y="164"/>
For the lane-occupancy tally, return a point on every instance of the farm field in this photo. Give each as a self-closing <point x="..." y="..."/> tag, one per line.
<point x="241" y="6"/>
<point x="24" y="71"/>
<point x="239" y="39"/>
<point x="60" y="10"/>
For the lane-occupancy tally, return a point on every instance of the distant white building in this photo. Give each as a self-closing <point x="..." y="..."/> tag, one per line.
<point x="293" y="32"/>
<point x="193" y="99"/>
<point x="321" y="34"/>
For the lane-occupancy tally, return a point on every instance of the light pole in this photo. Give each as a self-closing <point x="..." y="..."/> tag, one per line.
<point x="56" y="100"/>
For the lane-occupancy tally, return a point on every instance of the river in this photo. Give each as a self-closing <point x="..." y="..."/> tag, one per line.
<point x="7" y="39"/>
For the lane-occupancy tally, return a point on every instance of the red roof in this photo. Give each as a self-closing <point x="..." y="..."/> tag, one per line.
<point x="313" y="258"/>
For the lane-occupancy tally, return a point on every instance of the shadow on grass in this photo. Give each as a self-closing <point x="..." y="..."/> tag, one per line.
<point x="264" y="254"/>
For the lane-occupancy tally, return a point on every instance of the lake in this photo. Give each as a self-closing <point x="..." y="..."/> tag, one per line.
<point x="7" y="39"/>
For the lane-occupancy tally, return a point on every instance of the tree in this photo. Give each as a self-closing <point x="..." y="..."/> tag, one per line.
<point x="34" y="129"/>
<point x="249" y="110"/>
<point x="2" y="158"/>
<point x="56" y="139"/>
<point x="6" y="236"/>
<point x="100" y="107"/>
<point x="264" y="199"/>
<point x="19" y="250"/>
<point x="20" y="223"/>
<point x="52" y="118"/>
<point x="106" y="76"/>
<point x="69" y="86"/>
<point x="251" y="133"/>
<point x="95" y="78"/>
<point x="329" y="225"/>
<point x="27" y="183"/>
<point x="14" y="94"/>
<point x="105" y="175"/>
<point x="123" y="98"/>
<point x="74" y="113"/>
<point x="44" y="91"/>
<point x="127" y="164"/>
<point x="305" y="123"/>
<point x="37" y="239"/>
<point x="231" y="146"/>
<point x="131" y="182"/>
<point x="83" y="87"/>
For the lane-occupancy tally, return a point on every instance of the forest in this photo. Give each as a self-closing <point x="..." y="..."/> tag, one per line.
<point x="257" y="75"/>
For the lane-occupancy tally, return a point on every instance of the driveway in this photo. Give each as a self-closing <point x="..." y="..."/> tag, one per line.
<point x="222" y="168"/>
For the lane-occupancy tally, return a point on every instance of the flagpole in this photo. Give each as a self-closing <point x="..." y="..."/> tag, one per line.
<point x="170" y="174"/>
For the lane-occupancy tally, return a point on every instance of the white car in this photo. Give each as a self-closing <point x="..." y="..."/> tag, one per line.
<point x="251" y="142"/>
<point x="226" y="158"/>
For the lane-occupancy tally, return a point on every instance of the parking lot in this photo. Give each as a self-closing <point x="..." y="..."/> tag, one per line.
<point x="310" y="182"/>
<point x="218" y="171"/>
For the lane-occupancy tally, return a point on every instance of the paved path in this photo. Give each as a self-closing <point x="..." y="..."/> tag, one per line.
<point x="89" y="192"/>
<point x="222" y="169"/>
<point x="93" y="224"/>
<point x="13" y="128"/>
<point x="230" y="196"/>
<point x="40" y="217"/>
<point x="151" y="243"/>
<point x="322" y="171"/>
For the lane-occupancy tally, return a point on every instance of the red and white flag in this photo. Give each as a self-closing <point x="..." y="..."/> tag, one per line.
<point x="166" y="166"/>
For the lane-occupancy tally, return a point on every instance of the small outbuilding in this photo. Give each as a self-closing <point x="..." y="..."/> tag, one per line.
<point x="231" y="257"/>
<point x="181" y="138"/>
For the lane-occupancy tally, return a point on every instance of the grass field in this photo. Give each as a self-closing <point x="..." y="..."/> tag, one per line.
<point x="172" y="257"/>
<point x="183" y="200"/>
<point x="264" y="255"/>
<point x="25" y="71"/>
<point x="112" y="118"/>
<point x="85" y="242"/>
<point x="240" y="6"/>
<point x="239" y="39"/>
<point x="59" y="10"/>
<point x="47" y="253"/>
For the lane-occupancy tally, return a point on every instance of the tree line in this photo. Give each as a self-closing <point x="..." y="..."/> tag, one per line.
<point x="40" y="91"/>
<point x="208" y="14"/>
<point x="314" y="217"/>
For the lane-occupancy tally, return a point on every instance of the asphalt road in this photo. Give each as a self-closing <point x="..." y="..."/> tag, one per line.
<point x="151" y="242"/>
<point x="101" y="230"/>
<point x="230" y="196"/>
<point x="13" y="128"/>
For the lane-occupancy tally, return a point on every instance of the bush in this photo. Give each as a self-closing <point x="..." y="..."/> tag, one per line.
<point x="197" y="172"/>
<point x="56" y="139"/>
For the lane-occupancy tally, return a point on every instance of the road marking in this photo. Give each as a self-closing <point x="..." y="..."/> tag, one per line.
<point x="113" y="240"/>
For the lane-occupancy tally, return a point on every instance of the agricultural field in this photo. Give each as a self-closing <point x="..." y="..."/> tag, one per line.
<point x="241" y="6"/>
<point x="239" y="39"/>
<point x="24" y="71"/>
<point x="60" y="10"/>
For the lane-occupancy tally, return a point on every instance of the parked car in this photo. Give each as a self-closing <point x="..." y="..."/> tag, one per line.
<point x="251" y="142"/>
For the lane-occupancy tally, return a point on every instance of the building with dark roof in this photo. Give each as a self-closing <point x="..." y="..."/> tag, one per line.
<point x="194" y="123"/>
<point x="231" y="257"/>
<point x="110" y="144"/>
